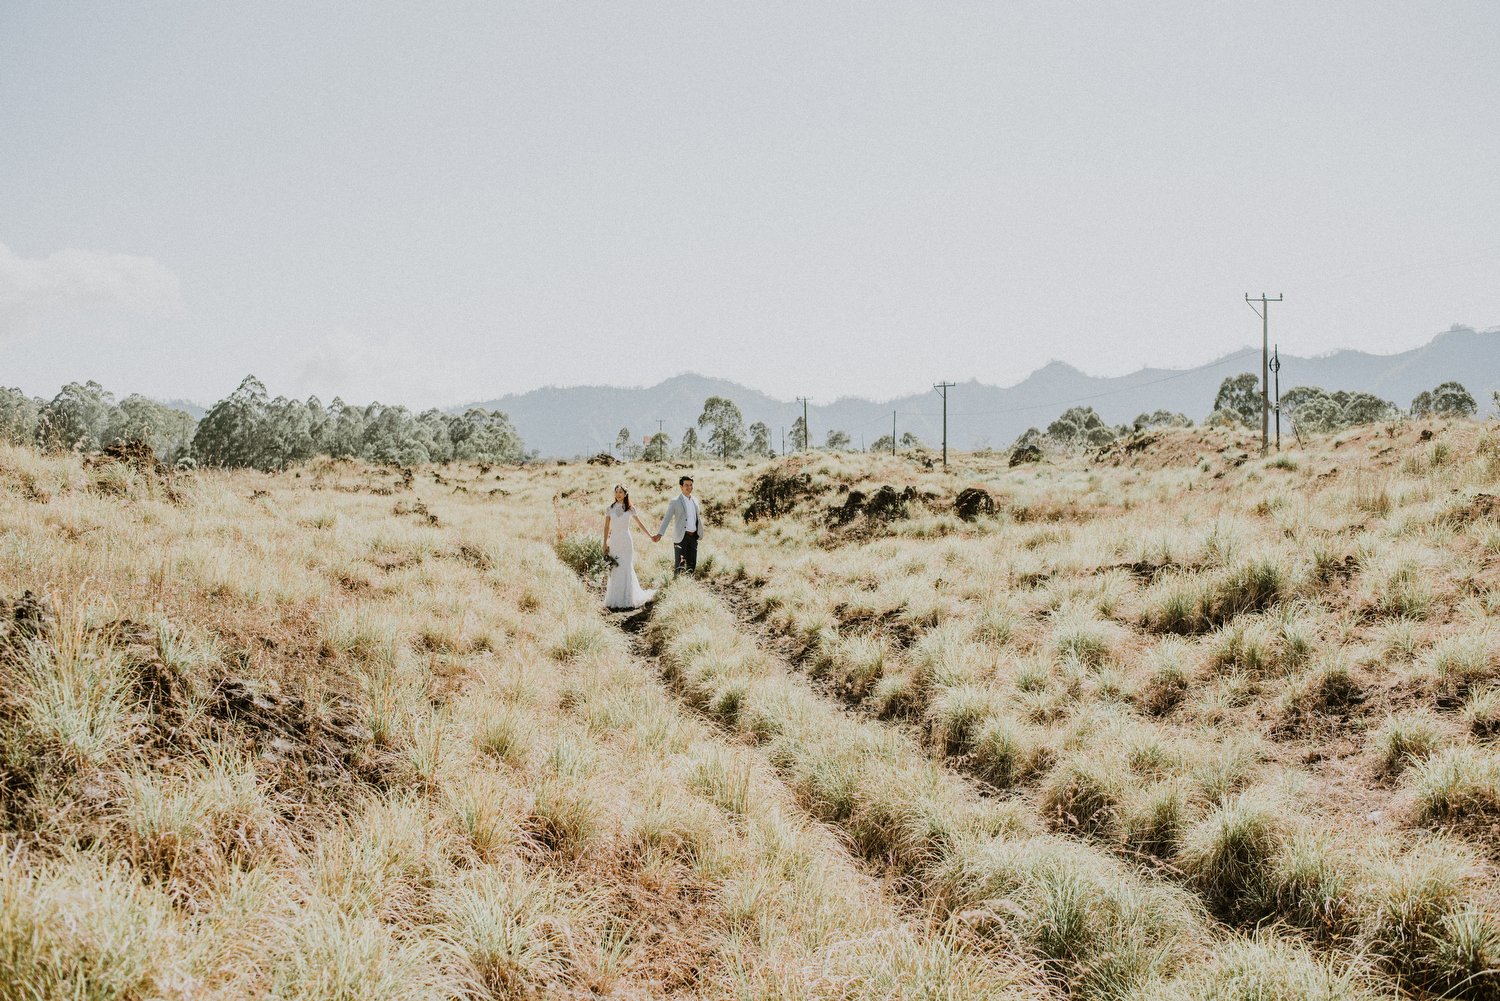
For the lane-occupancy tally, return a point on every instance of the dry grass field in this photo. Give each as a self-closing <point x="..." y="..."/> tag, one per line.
<point x="1171" y="722"/>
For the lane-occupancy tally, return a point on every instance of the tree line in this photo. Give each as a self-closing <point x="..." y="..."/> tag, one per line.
<point x="1313" y="409"/>
<point x="720" y="432"/>
<point x="249" y="429"/>
<point x="1310" y="409"/>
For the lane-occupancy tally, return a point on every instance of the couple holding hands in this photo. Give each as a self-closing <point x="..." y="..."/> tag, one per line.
<point x="624" y="589"/>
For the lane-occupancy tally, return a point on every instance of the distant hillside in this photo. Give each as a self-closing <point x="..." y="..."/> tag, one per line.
<point x="586" y="419"/>
<point x="198" y="411"/>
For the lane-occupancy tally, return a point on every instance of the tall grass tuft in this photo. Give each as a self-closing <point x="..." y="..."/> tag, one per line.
<point x="1084" y="795"/>
<point x="1229" y="858"/>
<point x="1424" y="930"/>
<point x="516" y="930"/>
<point x="1458" y="788"/>
<point x="1096" y="930"/>
<point x="1404" y="740"/>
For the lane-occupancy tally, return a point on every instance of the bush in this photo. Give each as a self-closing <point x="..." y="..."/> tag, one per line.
<point x="1186" y="603"/>
<point x="1155" y="818"/>
<point x="1269" y="968"/>
<point x="1248" y="646"/>
<point x="1314" y="885"/>
<point x="1002" y="754"/>
<point x="1422" y="928"/>
<point x="564" y="818"/>
<point x="1404" y="590"/>
<point x="1328" y="693"/>
<point x="583" y="553"/>
<point x="1083" y="639"/>
<point x="1482" y="714"/>
<point x="1460" y="662"/>
<point x="955" y="715"/>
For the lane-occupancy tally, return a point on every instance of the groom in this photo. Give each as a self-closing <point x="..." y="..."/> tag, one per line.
<point x="689" y="528"/>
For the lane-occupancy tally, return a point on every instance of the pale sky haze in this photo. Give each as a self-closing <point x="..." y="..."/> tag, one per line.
<point x="443" y="202"/>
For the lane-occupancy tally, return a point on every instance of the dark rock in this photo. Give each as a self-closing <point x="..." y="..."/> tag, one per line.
<point x="973" y="502"/>
<point x="776" y="493"/>
<point x="138" y="454"/>
<point x="1026" y="453"/>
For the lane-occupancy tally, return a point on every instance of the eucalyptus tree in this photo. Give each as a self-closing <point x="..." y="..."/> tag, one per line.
<point x="1451" y="399"/>
<point x="19" y="416"/>
<point x="725" y="426"/>
<point x="760" y="439"/>
<point x="232" y="433"/>
<point x="486" y="436"/>
<point x="1081" y="426"/>
<point x="799" y="434"/>
<point x="691" y="448"/>
<point x="1240" y="395"/>
<point x="658" y="447"/>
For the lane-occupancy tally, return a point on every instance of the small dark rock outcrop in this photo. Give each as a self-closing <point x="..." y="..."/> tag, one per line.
<point x="24" y="618"/>
<point x="603" y="459"/>
<point x="138" y="454"/>
<point x="1026" y="453"/>
<point x="776" y="493"/>
<point x="888" y="504"/>
<point x="972" y="503"/>
<point x="849" y="510"/>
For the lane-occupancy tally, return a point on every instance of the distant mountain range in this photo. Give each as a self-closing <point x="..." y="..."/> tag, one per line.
<point x="583" y="420"/>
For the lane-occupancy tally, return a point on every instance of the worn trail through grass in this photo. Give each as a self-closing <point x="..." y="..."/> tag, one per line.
<point x="981" y="868"/>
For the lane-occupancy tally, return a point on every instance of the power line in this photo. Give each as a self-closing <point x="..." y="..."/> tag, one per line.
<point x="1236" y="357"/>
<point x="1265" y="365"/>
<point x="943" y="387"/>
<point x="1276" y="371"/>
<point x="806" y="431"/>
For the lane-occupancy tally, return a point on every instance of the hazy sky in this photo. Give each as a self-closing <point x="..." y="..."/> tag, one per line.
<point x="441" y="202"/>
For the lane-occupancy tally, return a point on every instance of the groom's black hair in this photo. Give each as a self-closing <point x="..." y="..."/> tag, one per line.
<point x="685" y="479"/>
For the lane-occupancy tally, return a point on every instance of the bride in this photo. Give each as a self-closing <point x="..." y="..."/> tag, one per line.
<point x="624" y="587"/>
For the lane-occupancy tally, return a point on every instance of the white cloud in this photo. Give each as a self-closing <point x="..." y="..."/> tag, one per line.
<point x="73" y="279"/>
<point x="392" y="367"/>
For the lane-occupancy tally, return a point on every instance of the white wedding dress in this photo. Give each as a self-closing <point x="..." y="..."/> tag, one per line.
<point x="624" y="589"/>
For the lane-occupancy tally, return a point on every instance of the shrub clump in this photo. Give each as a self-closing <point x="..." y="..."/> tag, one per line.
<point x="583" y="553"/>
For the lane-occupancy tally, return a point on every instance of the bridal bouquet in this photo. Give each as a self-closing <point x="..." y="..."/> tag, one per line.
<point x="613" y="561"/>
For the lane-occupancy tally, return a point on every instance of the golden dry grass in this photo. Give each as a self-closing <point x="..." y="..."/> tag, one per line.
<point x="1177" y="722"/>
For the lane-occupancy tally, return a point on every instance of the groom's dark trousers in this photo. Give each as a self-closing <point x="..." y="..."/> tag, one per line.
<point x="685" y="554"/>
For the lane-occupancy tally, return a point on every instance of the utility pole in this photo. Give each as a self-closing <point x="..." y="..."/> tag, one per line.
<point x="943" y="387"/>
<point x="783" y="443"/>
<point x="893" y="434"/>
<point x="806" y="431"/>
<point x="1265" y="365"/>
<point x="1276" y="371"/>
